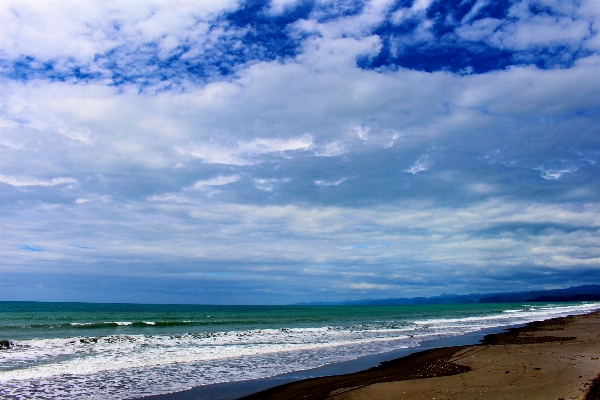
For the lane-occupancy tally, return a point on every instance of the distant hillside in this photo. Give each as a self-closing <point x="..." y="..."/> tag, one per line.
<point x="441" y="299"/>
<point x="578" y="293"/>
<point x="556" y="295"/>
<point x="576" y="297"/>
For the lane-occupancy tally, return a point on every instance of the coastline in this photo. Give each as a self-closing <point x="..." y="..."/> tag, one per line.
<point x="350" y="379"/>
<point x="556" y="358"/>
<point x="239" y="389"/>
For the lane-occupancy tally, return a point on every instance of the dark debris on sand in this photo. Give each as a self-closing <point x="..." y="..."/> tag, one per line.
<point x="426" y="364"/>
<point x="515" y="335"/>
<point x="593" y="392"/>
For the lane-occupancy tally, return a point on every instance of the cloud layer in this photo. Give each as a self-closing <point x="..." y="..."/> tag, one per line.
<point x="268" y="152"/>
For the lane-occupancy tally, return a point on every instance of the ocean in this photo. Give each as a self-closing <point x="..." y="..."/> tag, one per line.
<point x="116" y="351"/>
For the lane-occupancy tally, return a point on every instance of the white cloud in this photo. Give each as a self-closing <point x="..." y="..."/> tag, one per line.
<point x="373" y="13"/>
<point x="10" y="144"/>
<point x="370" y="286"/>
<point x="60" y="30"/>
<point x="417" y="10"/>
<point x="526" y="30"/>
<point x="19" y="182"/>
<point x="171" y="198"/>
<point x="590" y="9"/>
<point x="268" y="185"/>
<point x="423" y="163"/>
<point x="475" y="10"/>
<point x="330" y="183"/>
<point x="246" y="153"/>
<point x="554" y="174"/>
<point x="531" y="91"/>
<point x="217" y="181"/>
<point x="481" y="29"/>
<point x="83" y="137"/>
<point x="279" y="6"/>
<point x="362" y="132"/>
<point x="421" y="5"/>
<point x="331" y="149"/>
<point x="543" y="31"/>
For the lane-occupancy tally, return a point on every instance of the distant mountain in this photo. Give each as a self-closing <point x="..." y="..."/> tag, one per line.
<point x="556" y="294"/>
<point x="441" y="299"/>
<point x="578" y="293"/>
<point x="575" y="297"/>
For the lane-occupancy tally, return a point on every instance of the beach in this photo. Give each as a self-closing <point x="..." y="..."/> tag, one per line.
<point x="553" y="359"/>
<point x="197" y="352"/>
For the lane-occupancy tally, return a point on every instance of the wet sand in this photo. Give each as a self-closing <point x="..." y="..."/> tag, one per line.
<point x="553" y="359"/>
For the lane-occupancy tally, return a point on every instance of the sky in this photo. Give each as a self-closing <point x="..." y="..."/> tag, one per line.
<point x="280" y="151"/>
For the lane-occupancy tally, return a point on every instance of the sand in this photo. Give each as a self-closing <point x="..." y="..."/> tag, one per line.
<point x="554" y="359"/>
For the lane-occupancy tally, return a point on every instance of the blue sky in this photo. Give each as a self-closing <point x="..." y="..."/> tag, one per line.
<point x="286" y="150"/>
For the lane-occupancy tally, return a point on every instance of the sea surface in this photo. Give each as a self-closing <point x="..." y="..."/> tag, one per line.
<point x="116" y="351"/>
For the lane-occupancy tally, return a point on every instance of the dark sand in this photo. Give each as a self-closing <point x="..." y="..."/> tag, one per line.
<point x="553" y="359"/>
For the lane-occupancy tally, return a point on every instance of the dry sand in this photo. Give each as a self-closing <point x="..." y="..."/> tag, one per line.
<point x="554" y="359"/>
<point x="560" y="369"/>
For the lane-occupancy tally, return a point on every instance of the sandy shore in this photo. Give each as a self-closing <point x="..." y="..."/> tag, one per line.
<point x="553" y="359"/>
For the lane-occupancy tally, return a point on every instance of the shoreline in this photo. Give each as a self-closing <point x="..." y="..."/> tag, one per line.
<point x="239" y="389"/>
<point x="444" y="373"/>
<point x="431" y="356"/>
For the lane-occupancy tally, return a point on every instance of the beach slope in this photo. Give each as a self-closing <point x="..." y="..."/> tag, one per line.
<point x="553" y="359"/>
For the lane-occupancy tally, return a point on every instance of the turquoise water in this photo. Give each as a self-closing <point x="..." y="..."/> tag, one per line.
<point x="30" y="320"/>
<point x="111" y="351"/>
